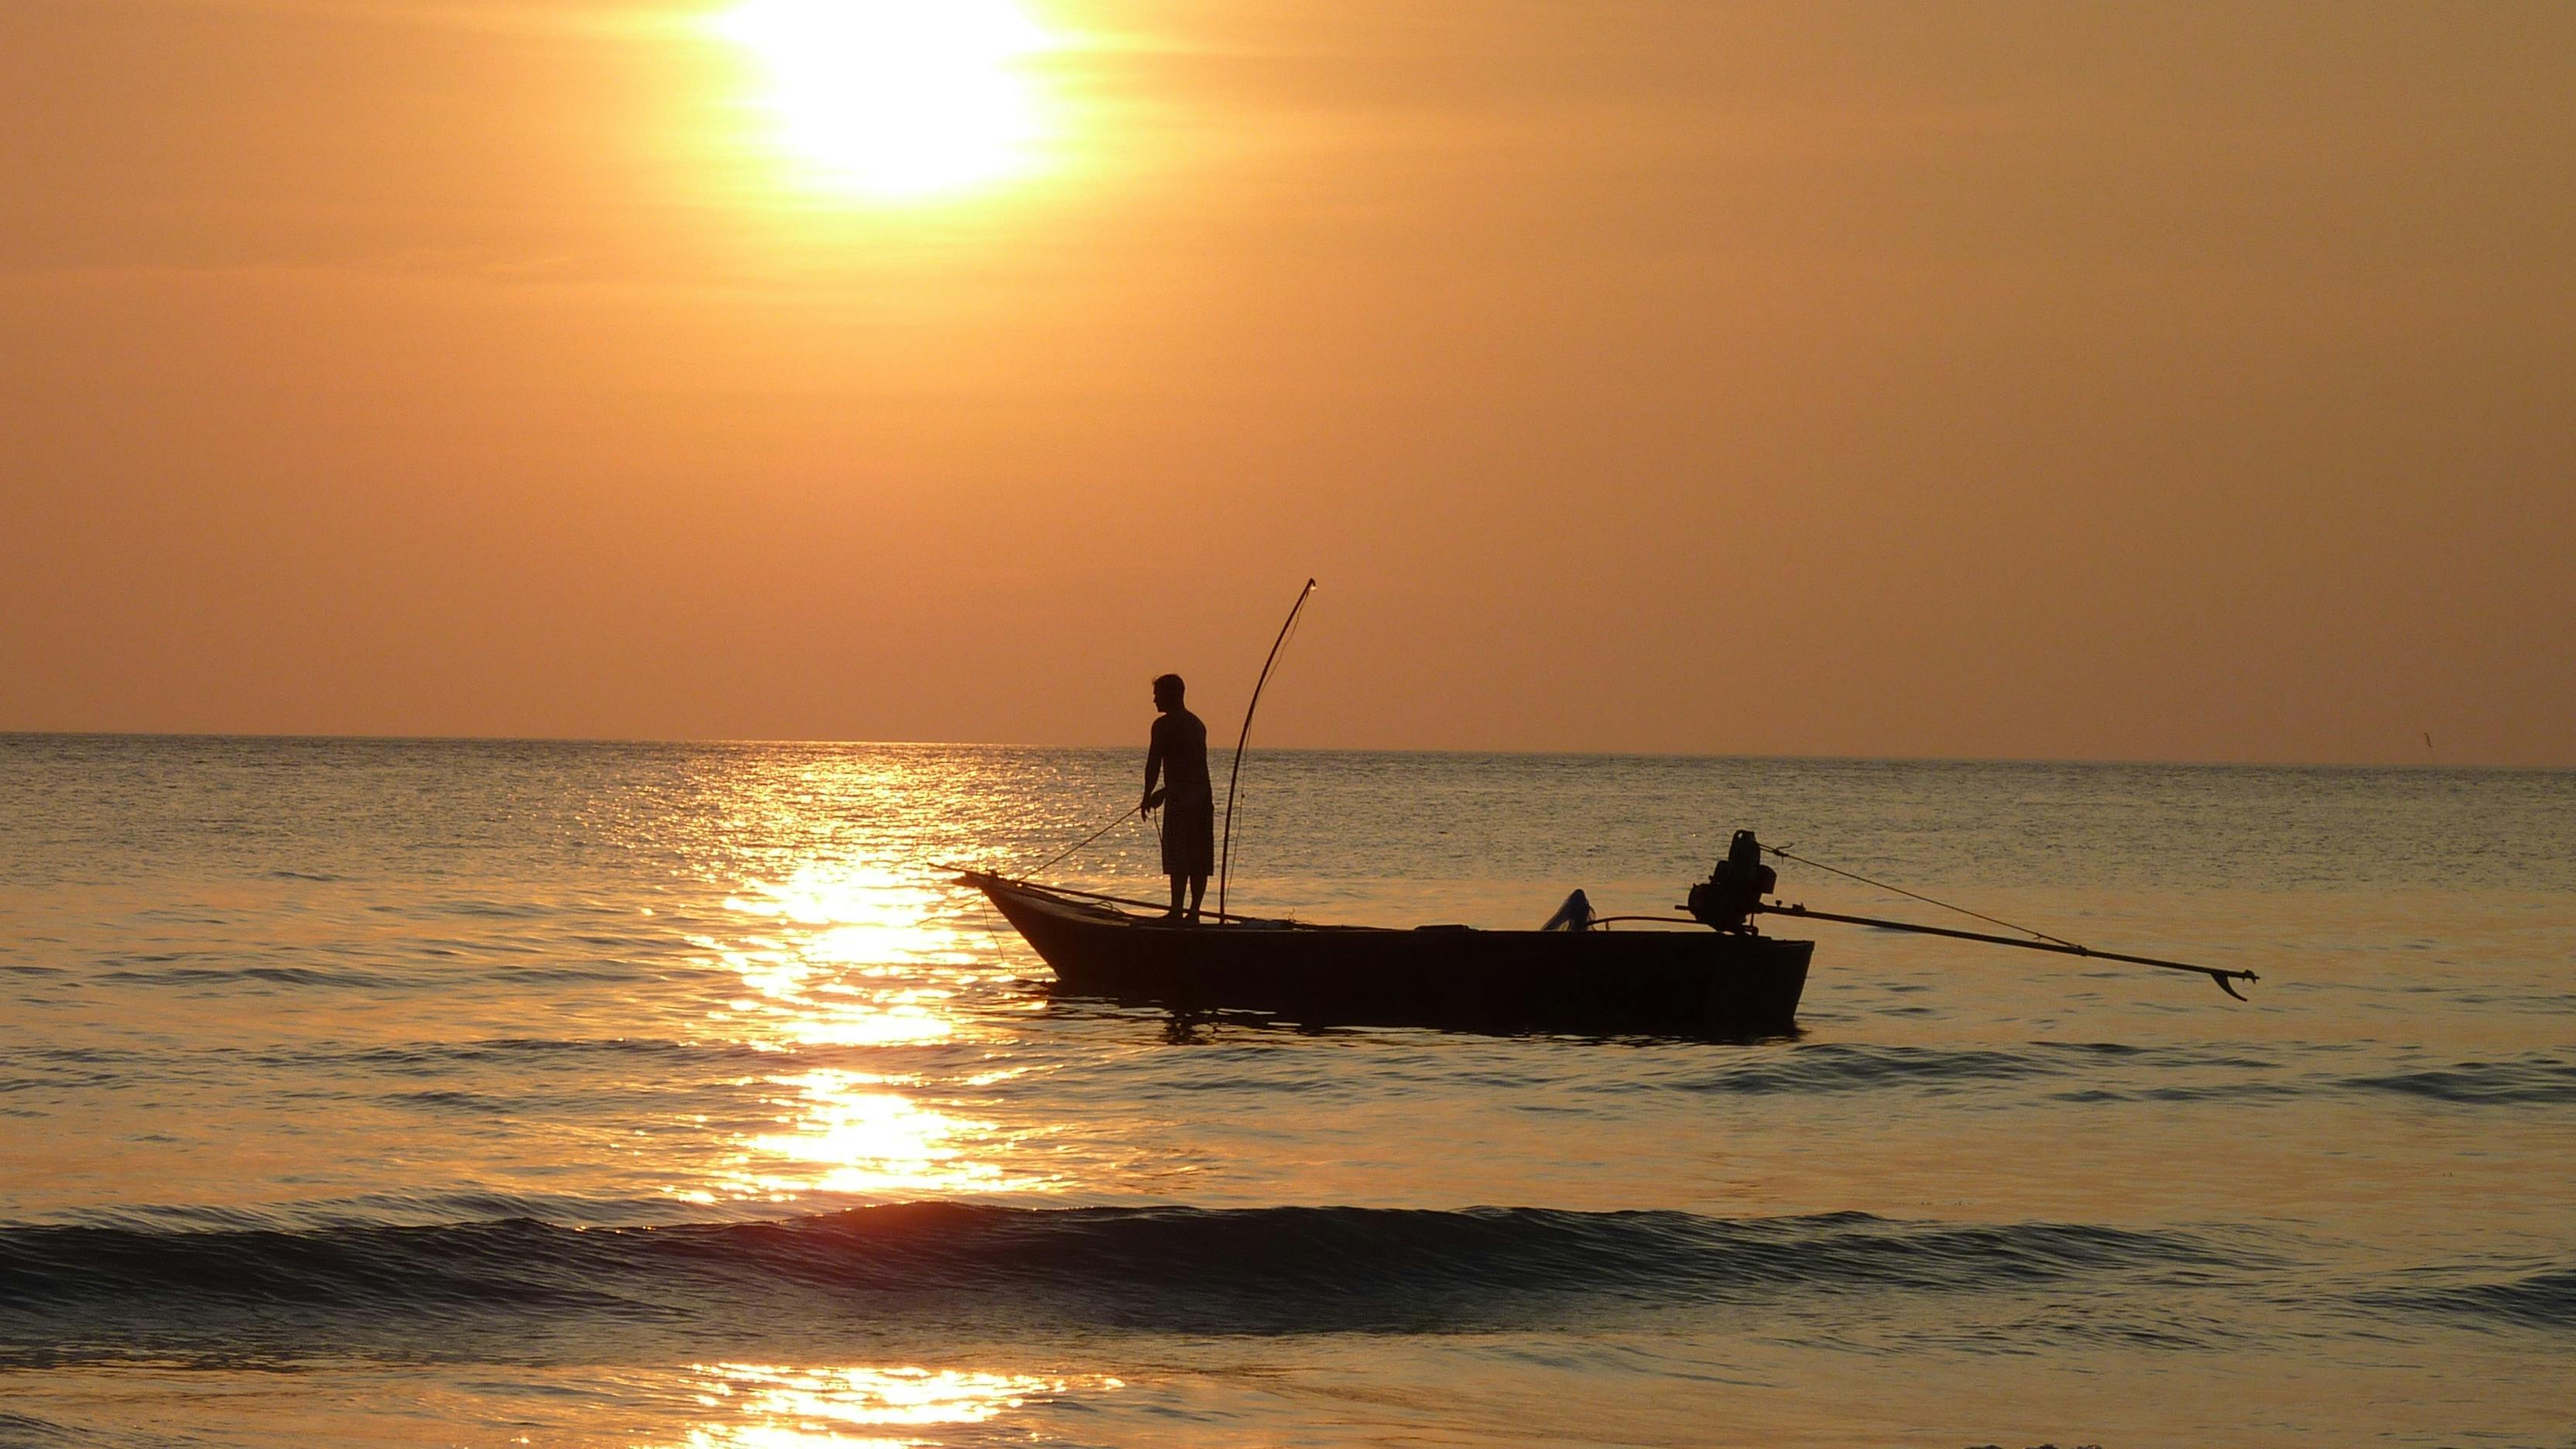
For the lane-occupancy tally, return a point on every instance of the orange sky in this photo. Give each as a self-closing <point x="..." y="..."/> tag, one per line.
<point x="2173" y="381"/>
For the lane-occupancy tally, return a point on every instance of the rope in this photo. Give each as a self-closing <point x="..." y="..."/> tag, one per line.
<point x="1057" y="890"/>
<point x="1086" y="840"/>
<point x="1927" y="900"/>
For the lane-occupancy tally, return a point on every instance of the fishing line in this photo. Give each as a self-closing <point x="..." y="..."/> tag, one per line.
<point x="1086" y="840"/>
<point x="1916" y="896"/>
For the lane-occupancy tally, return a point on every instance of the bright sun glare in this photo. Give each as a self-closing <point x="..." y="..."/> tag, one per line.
<point x="898" y="99"/>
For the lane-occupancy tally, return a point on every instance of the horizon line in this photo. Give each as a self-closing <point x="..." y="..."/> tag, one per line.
<point x="1522" y="753"/>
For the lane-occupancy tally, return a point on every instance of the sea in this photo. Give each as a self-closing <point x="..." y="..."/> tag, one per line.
<point x="378" y="1092"/>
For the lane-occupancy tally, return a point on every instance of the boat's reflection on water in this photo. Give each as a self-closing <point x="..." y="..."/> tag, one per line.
<point x="844" y="963"/>
<point x="763" y="1406"/>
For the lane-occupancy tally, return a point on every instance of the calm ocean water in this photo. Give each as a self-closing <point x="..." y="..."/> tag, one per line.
<point x="406" y="1093"/>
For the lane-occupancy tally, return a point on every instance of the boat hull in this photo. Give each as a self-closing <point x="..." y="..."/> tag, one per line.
<point x="1682" y="982"/>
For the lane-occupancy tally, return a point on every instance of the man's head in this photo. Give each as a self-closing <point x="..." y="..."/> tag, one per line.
<point x="1167" y="693"/>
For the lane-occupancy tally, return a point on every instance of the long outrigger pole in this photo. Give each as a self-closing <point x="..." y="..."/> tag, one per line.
<point x="1733" y="895"/>
<point x="2066" y="949"/>
<point x="1225" y="861"/>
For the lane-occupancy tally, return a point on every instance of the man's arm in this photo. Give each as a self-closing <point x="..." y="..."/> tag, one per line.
<point x="1153" y="767"/>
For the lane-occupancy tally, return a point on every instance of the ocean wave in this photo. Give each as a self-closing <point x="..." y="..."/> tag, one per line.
<point x="1825" y="1067"/>
<point x="1837" y="1067"/>
<point x="2108" y="1071"/>
<point x="257" y="975"/>
<point x="55" y="1069"/>
<point x="413" y="1058"/>
<point x="2199" y="1092"/>
<point x="27" y="1428"/>
<point x="1278" y="1270"/>
<point x="2114" y="1074"/>
<point x="2534" y="1079"/>
<point x="2546" y="1299"/>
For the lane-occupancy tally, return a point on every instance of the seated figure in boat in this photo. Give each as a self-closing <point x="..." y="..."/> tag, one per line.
<point x="1177" y="757"/>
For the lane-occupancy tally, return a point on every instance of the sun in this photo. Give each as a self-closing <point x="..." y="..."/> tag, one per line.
<point x="898" y="99"/>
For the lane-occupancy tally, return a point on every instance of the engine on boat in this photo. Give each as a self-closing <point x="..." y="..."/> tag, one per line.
<point x="1734" y="891"/>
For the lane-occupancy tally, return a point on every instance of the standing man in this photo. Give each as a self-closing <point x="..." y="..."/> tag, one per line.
<point x="1178" y="757"/>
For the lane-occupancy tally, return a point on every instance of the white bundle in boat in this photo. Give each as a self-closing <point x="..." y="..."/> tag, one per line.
<point x="1574" y="915"/>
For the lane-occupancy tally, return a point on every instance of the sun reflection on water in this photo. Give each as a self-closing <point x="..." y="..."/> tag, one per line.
<point x="849" y="1139"/>
<point x="850" y="956"/>
<point x="772" y="1407"/>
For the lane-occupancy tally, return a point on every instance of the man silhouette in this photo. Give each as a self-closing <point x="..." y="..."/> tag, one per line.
<point x="1178" y="757"/>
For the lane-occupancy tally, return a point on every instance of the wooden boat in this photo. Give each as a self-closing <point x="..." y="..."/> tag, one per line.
<point x="1692" y="981"/>
<point x="1716" y="976"/>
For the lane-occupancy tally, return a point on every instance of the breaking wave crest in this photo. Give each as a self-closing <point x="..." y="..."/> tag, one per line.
<point x="1263" y="1270"/>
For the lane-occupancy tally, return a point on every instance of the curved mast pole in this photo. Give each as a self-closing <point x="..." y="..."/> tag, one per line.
<point x="1225" y="862"/>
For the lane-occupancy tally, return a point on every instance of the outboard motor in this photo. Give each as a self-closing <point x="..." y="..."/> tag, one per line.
<point x="1734" y="891"/>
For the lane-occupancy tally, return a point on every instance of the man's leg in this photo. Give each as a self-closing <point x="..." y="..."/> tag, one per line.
<point x="1198" y="894"/>
<point x="1176" y="896"/>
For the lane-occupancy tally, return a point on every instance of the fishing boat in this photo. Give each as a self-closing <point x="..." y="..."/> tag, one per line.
<point x="1689" y="982"/>
<point x="1709" y="973"/>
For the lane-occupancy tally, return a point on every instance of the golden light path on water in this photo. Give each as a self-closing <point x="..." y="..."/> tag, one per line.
<point x="772" y="1407"/>
<point x="882" y="1017"/>
<point x="843" y="955"/>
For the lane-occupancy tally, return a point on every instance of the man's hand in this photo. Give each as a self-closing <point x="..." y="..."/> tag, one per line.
<point x="1152" y="799"/>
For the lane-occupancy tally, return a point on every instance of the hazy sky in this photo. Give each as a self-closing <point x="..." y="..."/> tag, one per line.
<point x="2163" y="381"/>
